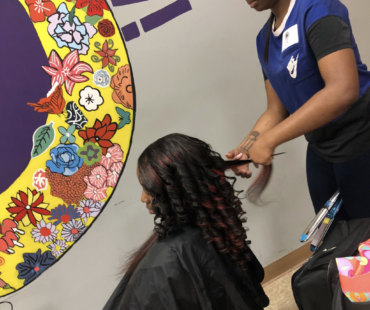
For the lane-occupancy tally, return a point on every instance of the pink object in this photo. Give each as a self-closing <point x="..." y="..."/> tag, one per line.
<point x="354" y="274"/>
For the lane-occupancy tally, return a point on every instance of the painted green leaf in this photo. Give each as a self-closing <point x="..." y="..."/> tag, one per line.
<point x="42" y="139"/>
<point x="92" y="20"/>
<point x="72" y="15"/>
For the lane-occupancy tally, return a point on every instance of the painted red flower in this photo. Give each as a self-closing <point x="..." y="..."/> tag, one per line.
<point x="68" y="72"/>
<point x="107" y="55"/>
<point x="28" y="208"/>
<point x="101" y="133"/>
<point x="95" y="7"/>
<point x="53" y="104"/>
<point x="39" y="9"/>
<point x="106" y="28"/>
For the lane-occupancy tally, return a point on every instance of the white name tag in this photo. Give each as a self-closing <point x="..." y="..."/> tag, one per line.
<point x="290" y="37"/>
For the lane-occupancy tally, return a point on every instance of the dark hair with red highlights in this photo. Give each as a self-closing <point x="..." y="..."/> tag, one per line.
<point x="187" y="181"/>
<point x="255" y="191"/>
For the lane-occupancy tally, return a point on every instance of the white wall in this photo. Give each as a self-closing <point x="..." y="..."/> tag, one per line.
<point x="199" y="75"/>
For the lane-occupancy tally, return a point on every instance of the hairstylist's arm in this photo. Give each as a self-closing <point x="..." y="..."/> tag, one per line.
<point x="274" y="114"/>
<point x="339" y="72"/>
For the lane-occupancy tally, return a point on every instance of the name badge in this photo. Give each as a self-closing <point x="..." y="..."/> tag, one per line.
<point x="290" y="37"/>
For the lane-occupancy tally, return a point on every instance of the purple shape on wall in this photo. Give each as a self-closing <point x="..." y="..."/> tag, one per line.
<point x="22" y="81"/>
<point x="125" y="2"/>
<point x="130" y="31"/>
<point x="166" y="14"/>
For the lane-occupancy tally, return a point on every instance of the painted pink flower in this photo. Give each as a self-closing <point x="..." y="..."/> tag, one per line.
<point x="93" y="192"/>
<point x="114" y="155"/>
<point x="114" y="173"/>
<point x="40" y="182"/>
<point x="98" y="176"/>
<point x="68" y="72"/>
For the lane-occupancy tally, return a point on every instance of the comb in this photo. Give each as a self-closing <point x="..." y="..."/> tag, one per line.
<point x="231" y="163"/>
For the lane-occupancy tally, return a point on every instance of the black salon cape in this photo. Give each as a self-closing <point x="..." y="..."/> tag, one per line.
<point x="182" y="272"/>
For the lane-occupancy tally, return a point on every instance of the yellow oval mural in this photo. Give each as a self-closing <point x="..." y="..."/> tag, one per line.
<point x="73" y="140"/>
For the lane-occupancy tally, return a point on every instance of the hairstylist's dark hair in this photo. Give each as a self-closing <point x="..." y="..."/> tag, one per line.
<point x="267" y="44"/>
<point x="188" y="183"/>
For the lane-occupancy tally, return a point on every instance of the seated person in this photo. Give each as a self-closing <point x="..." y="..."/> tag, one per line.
<point x="198" y="256"/>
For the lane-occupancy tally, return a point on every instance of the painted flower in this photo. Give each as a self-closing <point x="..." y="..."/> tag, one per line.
<point x="8" y="241"/>
<point x="44" y="232"/>
<point x="64" y="159"/>
<point x="90" y="98"/>
<point x="98" y="177"/>
<point x="68" y="72"/>
<point x="122" y="87"/>
<point x="101" y="133"/>
<point x="93" y="192"/>
<point x="39" y="9"/>
<point x="95" y="7"/>
<point x="90" y="153"/>
<point x="28" y="208"/>
<point x="106" y="28"/>
<point x="101" y="78"/>
<point x="40" y="182"/>
<point x="75" y="116"/>
<point x="58" y="247"/>
<point x="114" y="154"/>
<point x="73" y="230"/>
<point x="54" y="102"/>
<point x="10" y="225"/>
<point x="60" y="185"/>
<point x="73" y="35"/>
<point x="109" y="55"/>
<point x="34" y="264"/>
<point x="114" y="173"/>
<point x="63" y="214"/>
<point x="89" y="208"/>
<point x="67" y="134"/>
<point x="124" y="118"/>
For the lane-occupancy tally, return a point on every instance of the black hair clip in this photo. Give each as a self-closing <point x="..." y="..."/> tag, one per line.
<point x="231" y="163"/>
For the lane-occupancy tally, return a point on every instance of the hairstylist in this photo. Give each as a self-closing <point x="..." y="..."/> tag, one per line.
<point x="316" y="86"/>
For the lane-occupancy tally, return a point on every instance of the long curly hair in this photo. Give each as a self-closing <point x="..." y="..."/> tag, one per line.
<point x="187" y="182"/>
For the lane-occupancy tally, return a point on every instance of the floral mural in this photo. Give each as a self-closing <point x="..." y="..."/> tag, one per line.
<point x="78" y="155"/>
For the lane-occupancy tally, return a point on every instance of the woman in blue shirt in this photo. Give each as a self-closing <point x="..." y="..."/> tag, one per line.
<point x="316" y="86"/>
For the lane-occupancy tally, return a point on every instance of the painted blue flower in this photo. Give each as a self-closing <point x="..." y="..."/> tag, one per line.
<point x="67" y="134"/>
<point x="63" y="214"/>
<point x="64" y="159"/>
<point x="34" y="264"/>
<point x="75" y="36"/>
<point x="124" y="118"/>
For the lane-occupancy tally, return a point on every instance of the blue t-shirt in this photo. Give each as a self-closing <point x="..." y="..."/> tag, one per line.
<point x="292" y="67"/>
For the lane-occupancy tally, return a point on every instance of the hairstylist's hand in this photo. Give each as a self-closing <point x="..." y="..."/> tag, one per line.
<point x="261" y="151"/>
<point x="240" y="154"/>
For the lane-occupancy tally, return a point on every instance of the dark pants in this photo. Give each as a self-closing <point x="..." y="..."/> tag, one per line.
<point x="352" y="178"/>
